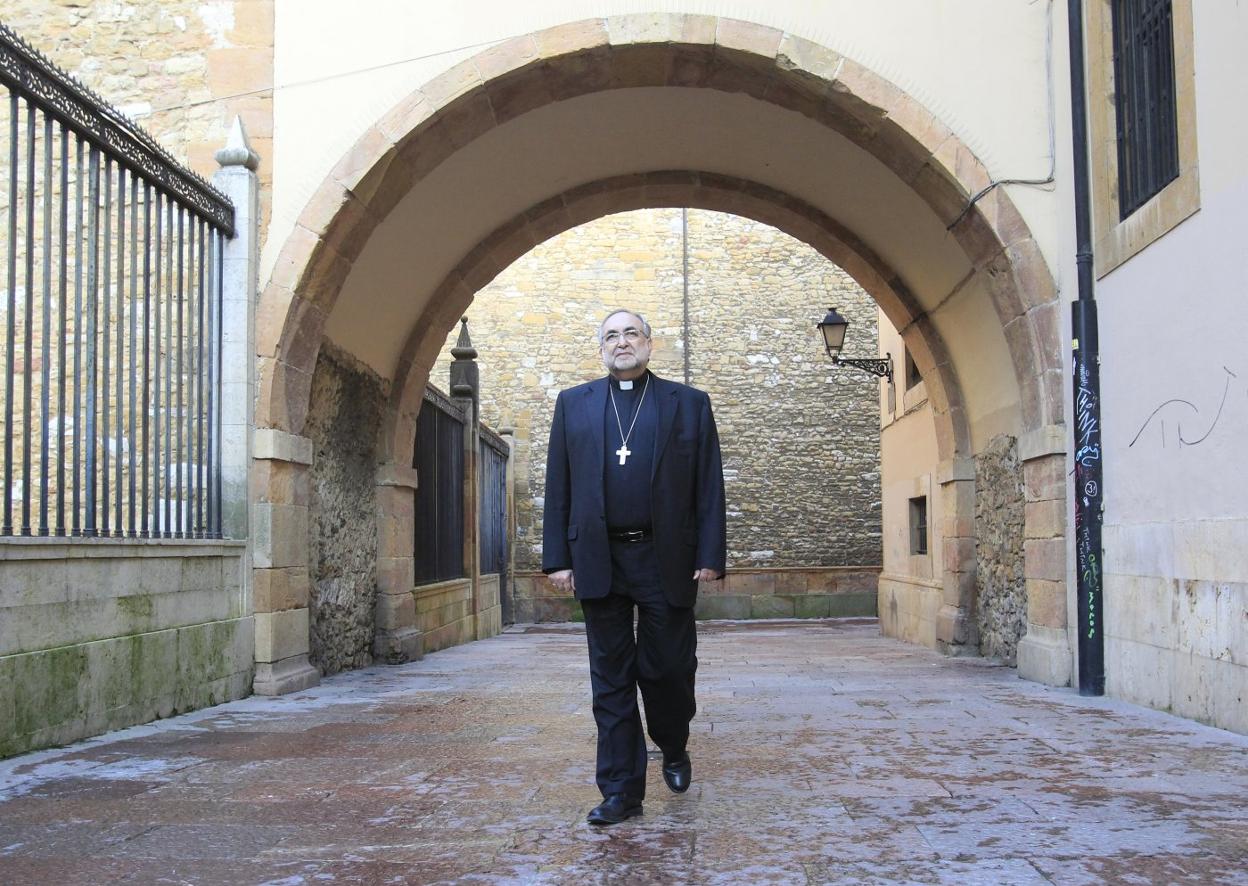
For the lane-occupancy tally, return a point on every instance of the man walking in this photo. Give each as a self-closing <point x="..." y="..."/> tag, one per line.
<point x="634" y="519"/>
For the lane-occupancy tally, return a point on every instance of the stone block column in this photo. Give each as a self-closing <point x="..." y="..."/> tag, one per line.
<point x="265" y="500"/>
<point x="1044" y="653"/>
<point x="240" y="260"/>
<point x="281" y="497"/>
<point x="396" y="637"/>
<point x="956" y="631"/>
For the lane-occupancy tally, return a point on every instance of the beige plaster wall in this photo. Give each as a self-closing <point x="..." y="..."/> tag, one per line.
<point x="1175" y="413"/>
<point x="335" y="74"/>
<point x="910" y="584"/>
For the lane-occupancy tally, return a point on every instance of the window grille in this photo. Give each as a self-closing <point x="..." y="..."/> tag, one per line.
<point x="493" y="503"/>
<point x="439" y="498"/>
<point x="1148" y="144"/>
<point x="918" y="525"/>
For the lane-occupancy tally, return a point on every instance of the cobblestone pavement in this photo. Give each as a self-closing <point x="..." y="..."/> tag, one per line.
<point x="822" y="754"/>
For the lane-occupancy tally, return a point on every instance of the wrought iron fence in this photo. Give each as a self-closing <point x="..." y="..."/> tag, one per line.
<point x="111" y="350"/>
<point x="439" y="503"/>
<point x="492" y="511"/>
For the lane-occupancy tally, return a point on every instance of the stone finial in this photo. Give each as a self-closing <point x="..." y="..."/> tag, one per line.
<point x="237" y="150"/>
<point x="463" y="349"/>
<point x="465" y="374"/>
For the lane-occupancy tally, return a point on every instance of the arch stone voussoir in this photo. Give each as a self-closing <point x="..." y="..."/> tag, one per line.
<point x="689" y="188"/>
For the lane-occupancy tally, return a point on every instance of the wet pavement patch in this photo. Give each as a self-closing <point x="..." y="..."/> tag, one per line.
<point x="822" y="753"/>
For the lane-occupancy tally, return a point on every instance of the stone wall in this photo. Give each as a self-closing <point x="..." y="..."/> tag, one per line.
<point x="181" y="69"/>
<point x="1001" y="589"/>
<point x="820" y="592"/>
<point x="800" y="440"/>
<point x="343" y="423"/>
<point x="100" y="634"/>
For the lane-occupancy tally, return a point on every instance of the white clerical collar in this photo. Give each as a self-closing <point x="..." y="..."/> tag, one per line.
<point x="626" y="384"/>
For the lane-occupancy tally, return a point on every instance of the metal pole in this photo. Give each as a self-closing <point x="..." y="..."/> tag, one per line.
<point x="11" y="318"/>
<point x="64" y="332"/>
<point x="148" y="194"/>
<point x="93" y="282"/>
<point x="684" y="286"/>
<point x="168" y="525"/>
<point x="28" y="344"/>
<point x="210" y="369"/>
<point x="199" y="389"/>
<point x="177" y="515"/>
<point x="45" y="386"/>
<point x="219" y="304"/>
<point x="76" y="462"/>
<point x="132" y="364"/>
<point x="1089" y="490"/>
<point x="106" y="319"/>
<point x="118" y="461"/>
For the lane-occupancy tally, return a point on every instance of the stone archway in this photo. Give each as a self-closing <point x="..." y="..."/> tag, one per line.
<point x="528" y="73"/>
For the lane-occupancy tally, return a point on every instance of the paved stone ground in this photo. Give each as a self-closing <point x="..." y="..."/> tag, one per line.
<point x="822" y="754"/>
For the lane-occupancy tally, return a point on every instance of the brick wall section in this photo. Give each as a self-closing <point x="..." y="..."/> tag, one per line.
<point x="181" y="69"/>
<point x="1001" y="591"/>
<point x="800" y="440"/>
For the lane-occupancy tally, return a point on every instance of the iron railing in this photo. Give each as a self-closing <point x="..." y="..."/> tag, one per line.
<point x="492" y="509"/>
<point x="112" y="325"/>
<point x="439" y="498"/>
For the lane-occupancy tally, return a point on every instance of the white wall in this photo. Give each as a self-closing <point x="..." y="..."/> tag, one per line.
<point x="966" y="60"/>
<point x="1174" y="372"/>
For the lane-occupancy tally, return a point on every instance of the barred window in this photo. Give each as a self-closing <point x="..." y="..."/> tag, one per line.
<point x="439" y="498"/>
<point x="1148" y="146"/>
<point x="918" y="525"/>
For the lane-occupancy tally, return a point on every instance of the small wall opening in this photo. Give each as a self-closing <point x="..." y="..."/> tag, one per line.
<point x="918" y="525"/>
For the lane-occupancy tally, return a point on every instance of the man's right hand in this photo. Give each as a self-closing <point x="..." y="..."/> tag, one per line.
<point x="563" y="580"/>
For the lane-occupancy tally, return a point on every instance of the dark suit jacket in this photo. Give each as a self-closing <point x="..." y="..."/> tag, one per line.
<point x="686" y="490"/>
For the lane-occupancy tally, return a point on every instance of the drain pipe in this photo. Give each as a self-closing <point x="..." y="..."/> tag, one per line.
<point x="684" y="276"/>
<point x="1089" y="490"/>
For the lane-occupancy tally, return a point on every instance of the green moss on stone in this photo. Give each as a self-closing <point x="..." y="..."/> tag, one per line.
<point x="852" y="605"/>
<point x="138" y="608"/>
<point x="47" y="688"/>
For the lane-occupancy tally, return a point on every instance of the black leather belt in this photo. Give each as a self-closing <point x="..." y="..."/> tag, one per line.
<point x="629" y="535"/>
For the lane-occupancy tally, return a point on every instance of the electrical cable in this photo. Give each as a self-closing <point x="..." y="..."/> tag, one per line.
<point x="1052" y="176"/>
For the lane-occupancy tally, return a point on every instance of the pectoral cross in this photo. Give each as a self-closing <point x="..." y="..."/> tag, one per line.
<point x="623" y="452"/>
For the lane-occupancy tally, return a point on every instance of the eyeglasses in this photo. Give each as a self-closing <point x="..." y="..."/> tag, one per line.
<point x="631" y="335"/>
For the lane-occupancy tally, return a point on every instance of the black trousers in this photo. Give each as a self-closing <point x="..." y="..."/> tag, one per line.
<point x="659" y="659"/>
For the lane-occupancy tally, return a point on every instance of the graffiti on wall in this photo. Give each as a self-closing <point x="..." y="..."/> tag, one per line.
<point x="1176" y="410"/>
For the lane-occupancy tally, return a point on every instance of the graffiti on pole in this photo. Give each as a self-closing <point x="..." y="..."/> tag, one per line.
<point x="1088" y="492"/>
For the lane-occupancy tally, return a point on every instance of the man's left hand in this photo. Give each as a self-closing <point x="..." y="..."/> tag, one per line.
<point x="707" y="575"/>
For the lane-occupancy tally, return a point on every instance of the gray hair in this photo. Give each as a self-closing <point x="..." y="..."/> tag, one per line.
<point x="645" y="326"/>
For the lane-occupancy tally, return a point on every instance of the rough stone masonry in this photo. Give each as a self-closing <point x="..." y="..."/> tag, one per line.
<point x="800" y="439"/>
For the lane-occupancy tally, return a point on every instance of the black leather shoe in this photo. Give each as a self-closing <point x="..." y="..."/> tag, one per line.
<point x="615" y="809"/>
<point x="678" y="771"/>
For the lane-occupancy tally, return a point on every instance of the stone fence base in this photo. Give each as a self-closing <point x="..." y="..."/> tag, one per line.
<point x="800" y="592"/>
<point x="452" y="612"/>
<point x="102" y="634"/>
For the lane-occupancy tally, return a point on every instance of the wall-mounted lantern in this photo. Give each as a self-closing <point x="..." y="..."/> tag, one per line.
<point x="833" y="327"/>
